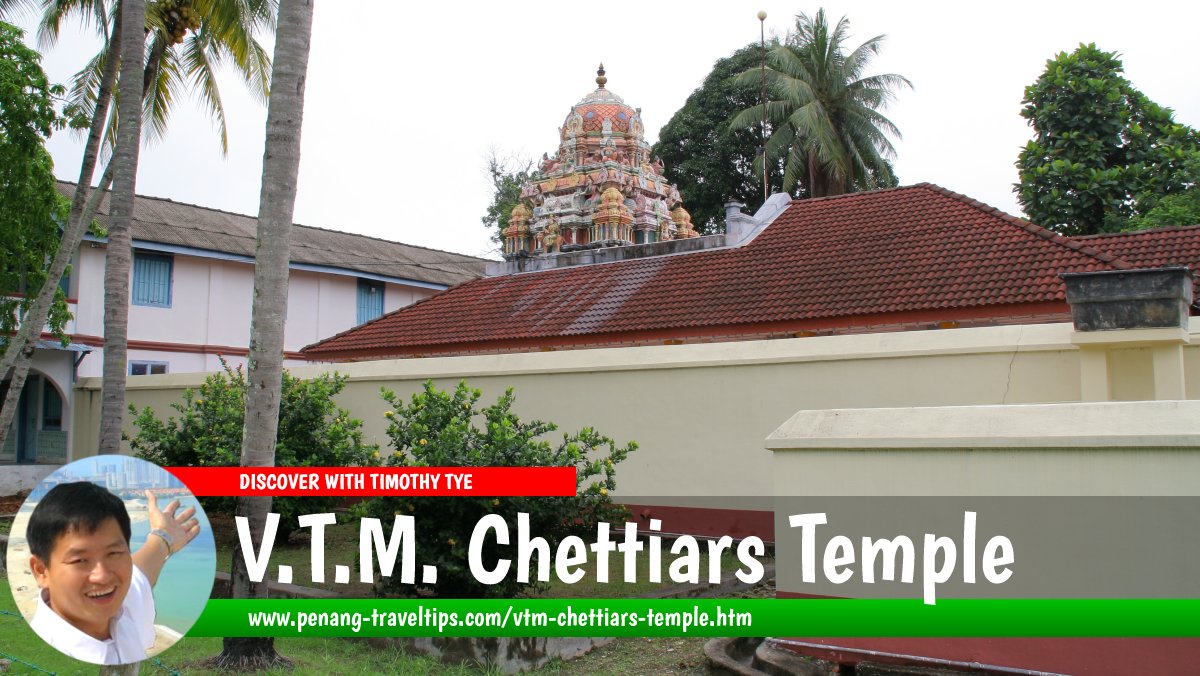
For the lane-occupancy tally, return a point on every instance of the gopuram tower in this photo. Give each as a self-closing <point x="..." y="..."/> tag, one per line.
<point x="600" y="189"/>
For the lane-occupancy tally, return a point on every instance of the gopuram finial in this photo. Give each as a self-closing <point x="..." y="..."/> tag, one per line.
<point x="600" y="79"/>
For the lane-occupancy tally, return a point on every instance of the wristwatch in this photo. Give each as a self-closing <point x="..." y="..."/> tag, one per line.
<point x="167" y="540"/>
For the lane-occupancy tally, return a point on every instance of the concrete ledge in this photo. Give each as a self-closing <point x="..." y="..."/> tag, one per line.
<point x="982" y="340"/>
<point x="20" y="478"/>
<point x="1138" y="424"/>
<point x="1131" y="337"/>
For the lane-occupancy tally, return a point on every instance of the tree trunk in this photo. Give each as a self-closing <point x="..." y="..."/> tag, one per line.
<point x="119" y="256"/>
<point x="153" y="62"/>
<point x="281" y="165"/>
<point x="816" y="177"/>
<point x="12" y="397"/>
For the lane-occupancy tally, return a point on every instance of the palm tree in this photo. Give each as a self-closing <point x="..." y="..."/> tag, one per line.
<point x="119" y="257"/>
<point x="825" y="116"/>
<point x="281" y="166"/>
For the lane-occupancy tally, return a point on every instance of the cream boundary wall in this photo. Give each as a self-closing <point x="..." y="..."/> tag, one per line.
<point x="210" y="305"/>
<point x="700" y="413"/>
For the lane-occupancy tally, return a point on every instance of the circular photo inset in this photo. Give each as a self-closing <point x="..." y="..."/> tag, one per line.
<point x="111" y="559"/>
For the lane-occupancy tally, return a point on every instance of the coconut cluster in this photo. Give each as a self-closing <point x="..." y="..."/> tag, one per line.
<point x="178" y="18"/>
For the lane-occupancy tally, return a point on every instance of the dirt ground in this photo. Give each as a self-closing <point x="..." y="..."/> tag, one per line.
<point x="11" y="503"/>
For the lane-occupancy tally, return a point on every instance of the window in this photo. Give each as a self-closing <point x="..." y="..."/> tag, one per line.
<point x="370" y="300"/>
<point x="147" y="368"/>
<point x="51" y="408"/>
<point x="152" y="279"/>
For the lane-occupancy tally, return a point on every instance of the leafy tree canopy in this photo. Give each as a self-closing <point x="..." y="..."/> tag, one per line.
<point x="30" y="205"/>
<point x="1176" y="208"/>
<point x="1104" y="156"/>
<point x="709" y="161"/>
<point x="507" y="174"/>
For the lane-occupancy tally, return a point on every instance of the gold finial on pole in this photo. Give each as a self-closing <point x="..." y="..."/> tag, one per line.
<point x="600" y="79"/>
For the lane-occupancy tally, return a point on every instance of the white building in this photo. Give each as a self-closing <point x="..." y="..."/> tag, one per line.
<point x="191" y="289"/>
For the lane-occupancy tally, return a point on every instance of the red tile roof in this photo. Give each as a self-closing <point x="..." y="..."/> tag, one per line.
<point x="913" y="249"/>
<point x="1153" y="248"/>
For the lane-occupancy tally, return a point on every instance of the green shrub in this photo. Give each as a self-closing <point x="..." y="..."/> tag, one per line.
<point x="439" y="429"/>
<point x="313" y="432"/>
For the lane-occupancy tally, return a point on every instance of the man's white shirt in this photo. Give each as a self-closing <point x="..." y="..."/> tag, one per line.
<point x="131" y="631"/>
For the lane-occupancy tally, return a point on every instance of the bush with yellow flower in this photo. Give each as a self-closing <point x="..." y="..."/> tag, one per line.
<point x="436" y="428"/>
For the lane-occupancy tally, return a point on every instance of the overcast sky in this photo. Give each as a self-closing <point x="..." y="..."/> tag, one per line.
<point x="405" y="101"/>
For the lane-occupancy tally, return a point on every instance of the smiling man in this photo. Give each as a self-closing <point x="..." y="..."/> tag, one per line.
<point x="96" y="602"/>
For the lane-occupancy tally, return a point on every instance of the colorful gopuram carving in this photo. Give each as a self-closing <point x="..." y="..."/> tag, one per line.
<point x="601" y="188"/>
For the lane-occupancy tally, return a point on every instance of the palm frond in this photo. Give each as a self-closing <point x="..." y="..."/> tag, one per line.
<point x="85" y="85"/>
<point x="201" y="74"/>
<point x="227" y="32"/>
<point x="886" y="83"/>
<point x="858" y="60"/>
<point x="164" y="81"/>
<point x="10" y="9"/>
<point x="55" y="11"/>
<point x="795" y="168"/>
<point x="747" y="118"/>
<point x="880" y="125"/>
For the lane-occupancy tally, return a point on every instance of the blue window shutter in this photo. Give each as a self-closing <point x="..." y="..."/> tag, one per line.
<point x="51" y="408"/>
<point x="370" y="300"/>
<point x="152" y="279"/>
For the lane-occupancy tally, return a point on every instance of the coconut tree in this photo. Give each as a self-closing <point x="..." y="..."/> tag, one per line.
<point x="281" y="166"/>
<point x="824" y="112"/>
<point x="119" y="257"/>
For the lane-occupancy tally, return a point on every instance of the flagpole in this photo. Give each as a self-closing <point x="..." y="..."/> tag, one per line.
<point x="762" y="38"/>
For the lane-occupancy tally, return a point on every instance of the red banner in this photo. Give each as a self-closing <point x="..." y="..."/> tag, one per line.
<point x="371" y="481"/>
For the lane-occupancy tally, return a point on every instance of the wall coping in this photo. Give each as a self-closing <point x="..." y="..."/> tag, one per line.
<point x="1037" y="337"/>
<point x="887" y="345"/>
<point x="1132" y="337"/>
<point x="1089" y="425"/>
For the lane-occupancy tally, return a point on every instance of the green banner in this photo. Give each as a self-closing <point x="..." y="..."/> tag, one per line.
<point x="701" y="617"/>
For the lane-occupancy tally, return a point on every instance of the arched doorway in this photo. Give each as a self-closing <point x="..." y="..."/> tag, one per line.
<point x="38" y="434"/>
